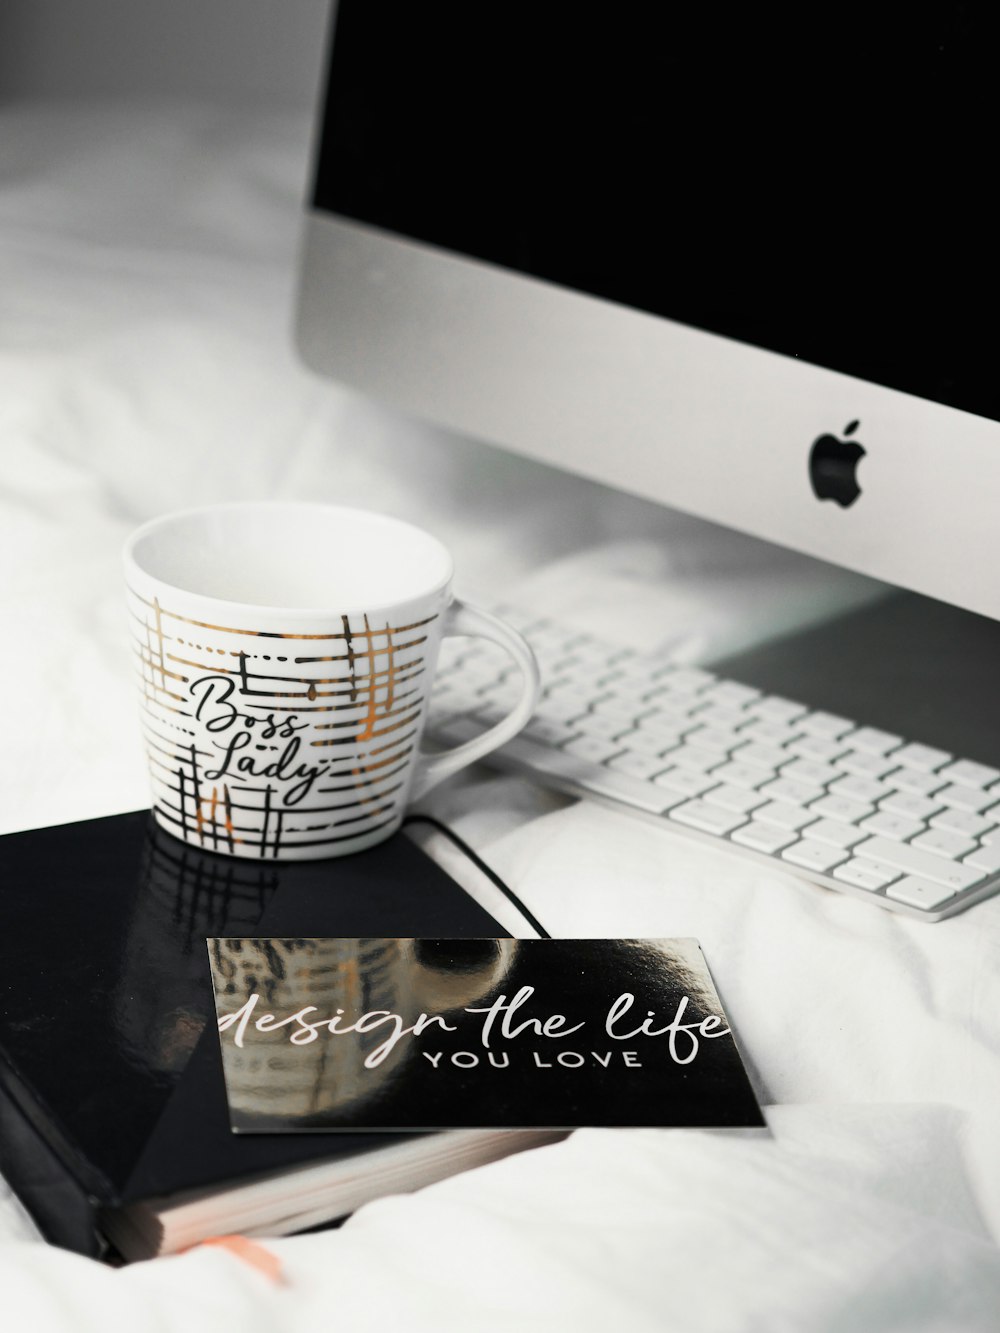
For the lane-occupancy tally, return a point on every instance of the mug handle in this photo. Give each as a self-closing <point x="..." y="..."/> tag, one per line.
<point x="463" y="619"/>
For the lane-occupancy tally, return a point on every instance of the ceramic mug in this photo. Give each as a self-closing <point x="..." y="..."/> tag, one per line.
<point x="285" y="656"/>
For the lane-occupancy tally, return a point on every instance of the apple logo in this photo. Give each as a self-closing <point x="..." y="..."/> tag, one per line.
<point x="833" y="466"/>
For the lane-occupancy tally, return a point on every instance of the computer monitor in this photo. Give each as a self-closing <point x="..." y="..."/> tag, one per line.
<point x="741" y="262"/>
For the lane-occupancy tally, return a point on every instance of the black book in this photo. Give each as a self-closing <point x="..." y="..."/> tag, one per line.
<point x="113" y="1114"/>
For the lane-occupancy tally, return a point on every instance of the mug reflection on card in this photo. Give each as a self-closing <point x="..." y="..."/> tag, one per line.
<point x="292" y="1075"/>
<point x="182" y="896"/>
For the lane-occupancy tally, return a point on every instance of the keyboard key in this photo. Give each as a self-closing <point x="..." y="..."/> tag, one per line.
<point x="835" y="833"/>
<point x="963" y="821"/>
<point x="886" y="825"/>
<point x="740" y="799"/>
<point x="717" y="738"/>
<point x="818" y="856"/>
<point x="600" y="724"/>
<point x="553" y="683"/>
<point x="674" y="709"/>
<point x="673" y="713"/>
<point x="590" y="652"/>
<point x="867" y="765"/>
<point x="762" y="837"/>
<point x="503" y="698"/>
<point x="817" y="747"/>
<point x="642" y="766"/>
<point x="966" y="798"/>
<point x="775" y="709"/>
<point x="912" y="806"/>
<point x="943" y="843"/>
<point x="769" y="733"/>
<point x="552" y="662"/>
<point x="719" y="715"/>
<point x="917" y="780"/>
<point x="562" y="707"/>
<point x="522" y="620"/>
<point x="875" y="741"/>
<point x="809" y="770"/>
<point x="592" y="748"/>
<point x="919" y="892"/>
<point x="860" y="789"/>
<point x="825" y="724"/>
<point x="549" y="733"/>
<point x="613" y="678"/>
<point x="856" y="872"/>
<point x="912" y="860"/>
<point x="785" y="815"/>
<point x="685" y="781"/>
<point x="708" y="818"/>
<point x="627" y="676"/>
<point x="685" y="680"/>
<point x="620" y="705"/>
<point x="543" y="630"/>
<point x="885" y="874"/>
<point x="652" y="719"/>
<point x="922" y="757"/>
<point x="740" y="774"/>
<point x="478" y="674"/>
<point x="729" y="692"/>
<point x="787" y="789"/>
<point x="556" y="682"/>
<point x="986" y="858"/>
<point x="649" y="740"/>
<point x="768" y="757"/>
<point x="842" y="807"/>
<point x="697" y="757"/>
<point x="491" y="713"/>
<point x="970" y="774"/>
<point x="628" y="692"/>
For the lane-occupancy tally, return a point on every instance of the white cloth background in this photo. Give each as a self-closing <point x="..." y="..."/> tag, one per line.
<point x="146" y="285"/>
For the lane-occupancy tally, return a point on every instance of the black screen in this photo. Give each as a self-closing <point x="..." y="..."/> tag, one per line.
<point x="814" y="183"/>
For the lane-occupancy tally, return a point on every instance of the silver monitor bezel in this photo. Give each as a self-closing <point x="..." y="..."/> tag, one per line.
<point x="690" y="419"/>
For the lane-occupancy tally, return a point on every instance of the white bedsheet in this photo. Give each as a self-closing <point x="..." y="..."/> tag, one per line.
<point x="146" y="276"/>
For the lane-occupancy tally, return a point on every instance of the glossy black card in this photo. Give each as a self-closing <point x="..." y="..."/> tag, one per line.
<point x="428" y="1034"/>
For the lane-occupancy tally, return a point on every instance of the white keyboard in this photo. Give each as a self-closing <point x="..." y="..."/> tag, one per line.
<point x="853" y="808"/>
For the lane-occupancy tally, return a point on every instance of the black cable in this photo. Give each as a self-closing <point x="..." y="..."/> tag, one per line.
<point x="481" y="865"/>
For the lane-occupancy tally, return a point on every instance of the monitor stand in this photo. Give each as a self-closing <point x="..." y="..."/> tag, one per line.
<point x="907" y="664"/>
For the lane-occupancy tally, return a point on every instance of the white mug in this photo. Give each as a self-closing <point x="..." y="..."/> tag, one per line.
<point x="286" y="654"/>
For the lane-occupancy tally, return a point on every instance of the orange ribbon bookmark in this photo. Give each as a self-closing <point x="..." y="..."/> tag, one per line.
<point x="250" y="1252"/>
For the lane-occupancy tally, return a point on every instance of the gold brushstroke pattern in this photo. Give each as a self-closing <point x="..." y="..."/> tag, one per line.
<point x="379" y="696"/>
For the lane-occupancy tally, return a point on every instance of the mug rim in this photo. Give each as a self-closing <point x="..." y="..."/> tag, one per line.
<point x="134" y="570"/>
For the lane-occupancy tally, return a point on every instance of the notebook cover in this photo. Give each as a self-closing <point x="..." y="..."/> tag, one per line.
<point x="112" y="1081"/>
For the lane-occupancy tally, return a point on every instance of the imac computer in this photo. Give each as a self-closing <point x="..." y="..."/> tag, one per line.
<point x="739" y="261"/>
